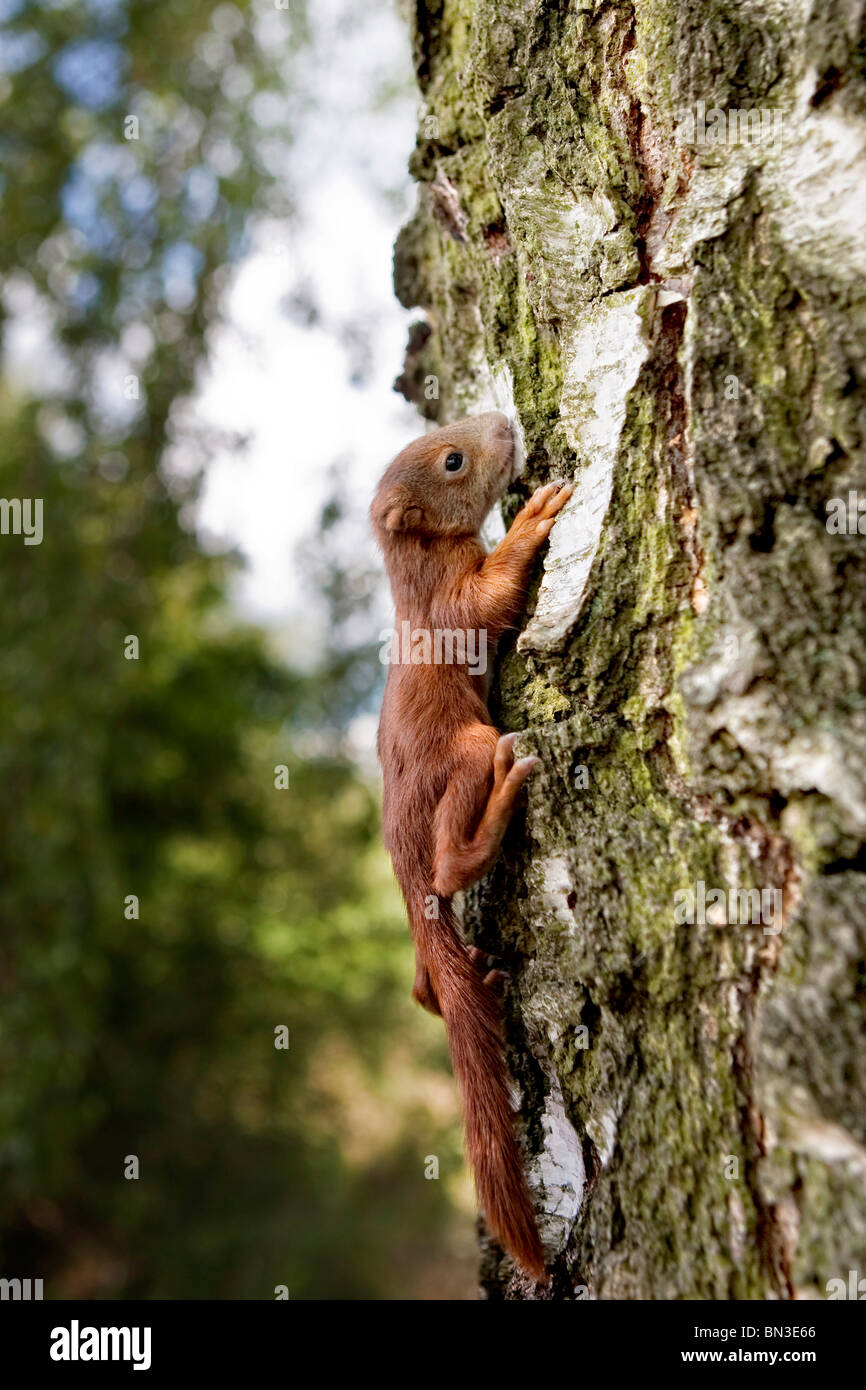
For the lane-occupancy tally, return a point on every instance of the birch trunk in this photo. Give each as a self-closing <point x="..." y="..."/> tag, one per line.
<point x="642" y="225"/>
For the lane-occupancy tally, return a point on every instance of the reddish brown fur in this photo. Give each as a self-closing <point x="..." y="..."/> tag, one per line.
<point x="450" y="781"/>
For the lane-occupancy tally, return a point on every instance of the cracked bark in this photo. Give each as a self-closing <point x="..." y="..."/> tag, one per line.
<point x="679" y="325"/>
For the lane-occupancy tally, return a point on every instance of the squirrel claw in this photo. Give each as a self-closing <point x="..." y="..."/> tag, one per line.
<point x="494" y="979"/>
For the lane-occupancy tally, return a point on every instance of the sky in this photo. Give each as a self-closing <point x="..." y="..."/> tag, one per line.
<point x="309" y="395"/>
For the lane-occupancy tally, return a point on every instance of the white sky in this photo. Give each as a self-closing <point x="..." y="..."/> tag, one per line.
<point x="286" y="385"/>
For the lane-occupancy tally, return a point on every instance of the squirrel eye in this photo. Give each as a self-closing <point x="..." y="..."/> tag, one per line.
<point x="453" y="463"/>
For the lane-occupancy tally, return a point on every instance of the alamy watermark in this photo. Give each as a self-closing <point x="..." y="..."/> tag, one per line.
<point x="421" y="646"/>
<point x="77" y="1343"/>
<point x="716" y="907"/>
<point x="22" y="516"/>
<point x="855" y="1289"/>
<point x="20" y="1290"/>
<point x="753" y="125"/>
<point x="846" y="516"/>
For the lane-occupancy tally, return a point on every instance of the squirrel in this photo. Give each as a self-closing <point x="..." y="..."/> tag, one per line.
<point x="450" y="780"/>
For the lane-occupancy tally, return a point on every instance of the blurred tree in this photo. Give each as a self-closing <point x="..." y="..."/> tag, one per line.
<point x="165" y="905"/>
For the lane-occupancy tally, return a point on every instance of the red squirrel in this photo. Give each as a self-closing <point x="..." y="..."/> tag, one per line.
<point x="450" y="781"/>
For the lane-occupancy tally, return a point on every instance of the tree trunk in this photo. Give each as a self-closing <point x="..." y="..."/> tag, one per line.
<point x="671" y="292"/>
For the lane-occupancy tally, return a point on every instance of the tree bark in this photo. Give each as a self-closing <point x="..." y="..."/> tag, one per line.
<point x="677" y="313"/>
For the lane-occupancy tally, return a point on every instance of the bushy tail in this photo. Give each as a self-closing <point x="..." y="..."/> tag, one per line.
<point x="472" y="1018"/>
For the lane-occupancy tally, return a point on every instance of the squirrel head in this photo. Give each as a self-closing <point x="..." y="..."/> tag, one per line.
<point x="446" y="482"/>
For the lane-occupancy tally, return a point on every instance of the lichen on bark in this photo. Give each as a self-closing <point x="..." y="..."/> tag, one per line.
<point x="679" y="326"/>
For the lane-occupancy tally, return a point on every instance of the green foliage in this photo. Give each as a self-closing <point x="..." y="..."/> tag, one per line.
<point x="153" y="1035"/>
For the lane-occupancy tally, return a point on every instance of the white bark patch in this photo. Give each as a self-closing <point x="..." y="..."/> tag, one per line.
<point x="810" y="761"/>
<point x="822" y="1139"/>
<point x="572" y="227"/>
<point x="559" y="1168"/>
<point x="602" y="1130"/>
<point x="602" y="356"/>
<point x="570" y="242"/>
<point x="737" y="1229"/>
<point x="549" y="1010"/>
<point x="816" y="759"/>
<point x="499" y="395"/>
<point x="493" y="389"/>
<point x="734" y="662"/>
<point x="502" y="390"/>
<point x="814" y="187"/>
<point x="556" y="885"/>
<point x="812" y="174"/>
<point x="704" y="216"/>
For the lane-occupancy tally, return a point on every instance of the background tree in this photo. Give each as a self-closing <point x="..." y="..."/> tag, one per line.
<point x="132" y="164"/>
<point x="677" y="296"/>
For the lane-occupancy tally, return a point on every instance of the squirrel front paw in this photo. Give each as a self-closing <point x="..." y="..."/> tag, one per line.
<point x="534" y="521"/>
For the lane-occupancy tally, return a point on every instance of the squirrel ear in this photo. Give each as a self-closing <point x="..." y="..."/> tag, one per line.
<point x="402" y="518"/>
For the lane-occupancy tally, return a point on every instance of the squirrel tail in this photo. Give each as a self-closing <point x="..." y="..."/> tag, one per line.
<point x="472" y="1016"/>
